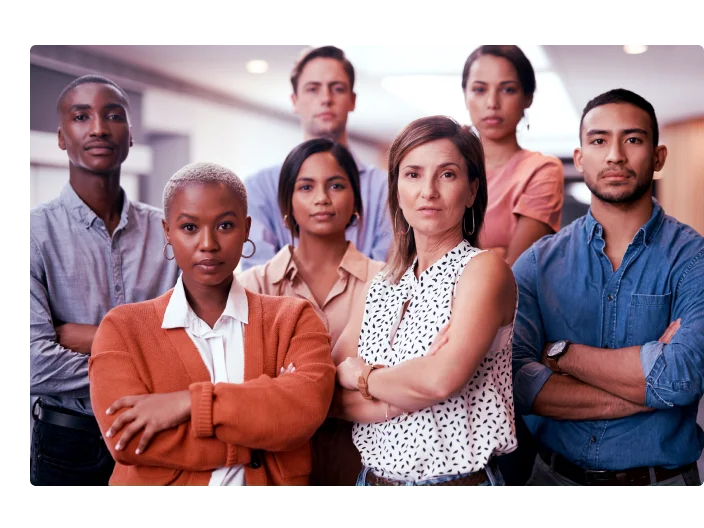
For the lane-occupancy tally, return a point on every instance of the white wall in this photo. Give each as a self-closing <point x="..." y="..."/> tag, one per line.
<point x="239" y="139"/>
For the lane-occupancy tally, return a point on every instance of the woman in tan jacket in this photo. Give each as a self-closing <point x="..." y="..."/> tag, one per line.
<point x="210" y="384"/>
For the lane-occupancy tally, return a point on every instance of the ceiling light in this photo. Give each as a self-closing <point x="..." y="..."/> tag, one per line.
<point x="634" y="49"/>
<point x="257" y="66"/>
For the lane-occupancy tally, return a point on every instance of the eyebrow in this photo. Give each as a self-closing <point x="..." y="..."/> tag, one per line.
<point x="307" y="179"/>
<point x="599" y="132"/>
<point x="193" y="217"/>
<point x="442" y="165"/>
<point x="109" y="106"/>
<point x="502" y="82"/>
<point x="318" y="83"/>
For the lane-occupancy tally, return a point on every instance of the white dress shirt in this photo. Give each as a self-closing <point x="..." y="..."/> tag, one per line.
<point x="220" y="347"/>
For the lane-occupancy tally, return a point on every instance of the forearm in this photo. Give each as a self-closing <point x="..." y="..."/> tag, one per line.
<point x="616" y="371"/>
<point x="351" y="406"/>
<point x="566" y="398"/>
<point x="55" y="370"/>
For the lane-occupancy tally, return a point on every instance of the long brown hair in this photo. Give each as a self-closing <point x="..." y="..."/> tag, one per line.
<point x="418" y="133"/>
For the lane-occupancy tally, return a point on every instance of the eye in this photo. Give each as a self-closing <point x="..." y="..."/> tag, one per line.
<point x="510" y="89"/>
<point x="448" y="175"/>
<point x="305" y="187"/>
<point x="190" y="228"/>
<point x="412" y="175"/>
<point x="312" y="89"/>
<point x="226" y="225"/>
<point x="340" y="89"/>
<point x="337" y="186"/>
<point x="116" y="117"/>
<point x="634" y="140"/>
<point x="80" y="117"/>
<point x="478" y="89"/>
<point x="598" y="141"/>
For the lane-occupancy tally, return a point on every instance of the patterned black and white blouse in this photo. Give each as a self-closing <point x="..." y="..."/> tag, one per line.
<point x="459" y="434"/>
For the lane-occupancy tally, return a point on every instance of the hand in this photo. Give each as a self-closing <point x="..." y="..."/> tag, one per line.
<point x="670" y="332"/>
<point x="500" y="251"/>
<point x="151" y="412"/>
<point x="544" y="355"/>
<point x="76" y="337"/>
<point x="440" y="340"/>
<point x="348" y="372"/>
<point x="290" y="369"/>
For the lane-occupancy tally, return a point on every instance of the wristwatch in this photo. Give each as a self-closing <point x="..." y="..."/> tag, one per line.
<point x="362" y="381"/>
<point x="555" y="352"/>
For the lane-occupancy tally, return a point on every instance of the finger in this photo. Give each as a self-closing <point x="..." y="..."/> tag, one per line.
<point x="147" y="435"/>
<point x="125" y="401"/>
<point x="669" y="332"/>
<point x="130" y="431"/>
<point x="437" y="345"/>
<point x="120" y="422"/>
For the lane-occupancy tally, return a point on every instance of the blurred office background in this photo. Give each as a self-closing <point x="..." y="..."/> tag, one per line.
<point x="231" y="105"/>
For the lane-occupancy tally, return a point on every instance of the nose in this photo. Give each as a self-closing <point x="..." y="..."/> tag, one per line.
<point x="99" y="127"/>
<point x="616" y="153"/>
<point x="326" y="95"/>
<point x="321" y="196"/>
<point x="209" y="240"/>
<point x="492" y="100"/>
<point x="429" y="190"/>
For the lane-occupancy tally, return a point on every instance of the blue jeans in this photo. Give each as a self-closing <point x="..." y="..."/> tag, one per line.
<point x="492" y="471"/>
<point x="62" y="456"/>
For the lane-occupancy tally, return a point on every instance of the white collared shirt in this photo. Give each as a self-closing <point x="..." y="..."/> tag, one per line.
<point x="220" y="347"/>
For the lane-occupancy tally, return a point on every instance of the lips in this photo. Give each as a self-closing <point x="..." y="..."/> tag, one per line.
<point x="101" y="148"/>
<point x="322" y="215"/>
<point x="325" y="115"/>
<point x="493" y="120"/>
<point x="209" y="265"/>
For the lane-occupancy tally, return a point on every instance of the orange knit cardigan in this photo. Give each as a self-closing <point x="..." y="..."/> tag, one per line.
<point x="266" y="418"/>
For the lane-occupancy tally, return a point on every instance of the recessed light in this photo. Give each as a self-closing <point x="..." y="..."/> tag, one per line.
<point x="635" y="49"/>
<point x="257" y="66"/>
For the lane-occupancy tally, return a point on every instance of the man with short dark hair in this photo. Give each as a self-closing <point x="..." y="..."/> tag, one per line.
<point x="608" y="352"/>
<point x="91" y="249"/>
<point x="323" y="95"/>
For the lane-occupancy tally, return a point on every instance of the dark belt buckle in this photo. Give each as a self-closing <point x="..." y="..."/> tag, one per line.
<point x="598" y="477"/>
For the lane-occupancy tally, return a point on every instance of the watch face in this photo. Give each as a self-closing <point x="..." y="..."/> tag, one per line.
<point x="557" y="348"/>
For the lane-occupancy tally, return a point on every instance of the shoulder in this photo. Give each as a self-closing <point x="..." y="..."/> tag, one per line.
<point x="683" y="244"/>
<point x="376" y="177"/>
<point x="536" y="163"/>
<point x="263" y="176"/>
<point x="282" y="313"/>
<point x="252" y="278"/>
<point x="373" y="268"/>
<point x="147" y="212"/>
<point x="137" y="313"/>
<point x="43" y="214"/>
<point x="486" y="267"/>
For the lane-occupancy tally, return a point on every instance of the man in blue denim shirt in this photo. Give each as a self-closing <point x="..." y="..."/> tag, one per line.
<point x="608" y="352"/>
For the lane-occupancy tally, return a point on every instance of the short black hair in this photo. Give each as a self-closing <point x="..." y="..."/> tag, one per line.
<point x="292" y="166"/>
<point x="90" y="79"/>
<point x="324" y="52"/>
<point x="622" y="96"/>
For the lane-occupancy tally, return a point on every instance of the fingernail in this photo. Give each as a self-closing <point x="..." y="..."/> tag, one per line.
<point x="108" y="411"/>
<point x="137" y="452"/>
<point x="118" y="447"/>
<point x="108" y="434"/>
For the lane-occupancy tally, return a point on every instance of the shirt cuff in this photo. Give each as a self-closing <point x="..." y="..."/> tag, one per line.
<point x="202" y="409"/>
<point x="653" y="363"/>
<point x="527" y="383"/>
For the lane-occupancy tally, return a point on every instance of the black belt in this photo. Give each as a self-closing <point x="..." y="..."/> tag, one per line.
<point x="57" y="416"/>
<point x="639" y="476"/>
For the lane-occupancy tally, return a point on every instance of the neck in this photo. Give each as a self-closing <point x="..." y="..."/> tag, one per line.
<point x="337" y="137"/>
<point x="430" y="249"/>
<point x="100" y="192"/>
<point x="498" y="151"/>
<point x="622" y="221"/>
<point x="208" y="302"/>
<point x="321" y="252"/>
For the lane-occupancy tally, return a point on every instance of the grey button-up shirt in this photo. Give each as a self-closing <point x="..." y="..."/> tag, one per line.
<point x="77" y="274"/>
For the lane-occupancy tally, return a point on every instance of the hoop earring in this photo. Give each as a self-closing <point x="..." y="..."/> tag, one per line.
<point x="165" y="246"/>
<point x="254" y="249"/>
<point x="465" y="227"/>
<point x="525" y="116"/>
<point x="396" y="227"/>
<point x="356" y="219"/>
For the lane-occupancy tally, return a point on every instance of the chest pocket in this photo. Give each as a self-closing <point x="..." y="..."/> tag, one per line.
<point x="648" y="317"/>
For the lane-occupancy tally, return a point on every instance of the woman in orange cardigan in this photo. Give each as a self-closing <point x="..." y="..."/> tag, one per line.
<point x="210" y="384"/>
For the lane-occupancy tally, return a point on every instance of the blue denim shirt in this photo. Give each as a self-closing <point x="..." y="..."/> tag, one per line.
<point x="372" y="238"/>
<point x="568" y="290"/>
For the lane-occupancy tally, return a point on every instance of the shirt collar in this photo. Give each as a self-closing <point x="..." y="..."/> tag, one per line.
<point x="179" y="313"/>
<point x="84" y="214"/>
<point x="646" y="232"/>
<point x="283" y="265"/>
<point x="354" y="262"/>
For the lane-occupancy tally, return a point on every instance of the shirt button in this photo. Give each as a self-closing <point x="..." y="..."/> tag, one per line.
<point x="593" y="439"/>
<point x="609" y="297"/>
<point x="117" y="288"/>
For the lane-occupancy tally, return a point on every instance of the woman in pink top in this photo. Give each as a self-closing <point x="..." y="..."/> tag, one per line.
<point x="319" y="197"/>
<point x="526" y="189"/>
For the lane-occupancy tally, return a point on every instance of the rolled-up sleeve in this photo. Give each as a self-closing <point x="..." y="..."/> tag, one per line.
<point x="674" y="373"/>
<point x="529" y="374"/>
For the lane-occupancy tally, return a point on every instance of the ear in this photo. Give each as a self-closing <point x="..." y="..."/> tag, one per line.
<point x="659" y="157"/>
<point x="354" y="101"/>
<point x="577" y="156"/>
<point x="247" y="226"/>
<point x="131" y="141"/>
<point x="473" y="189"/>
<point x="294" y="101"/>
<point x="165" y="226"/>
<point x="62" y="143"/>
<point x="528" y="101"/>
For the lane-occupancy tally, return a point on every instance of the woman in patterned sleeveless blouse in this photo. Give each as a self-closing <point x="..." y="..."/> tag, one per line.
<point x="424" y="364"/>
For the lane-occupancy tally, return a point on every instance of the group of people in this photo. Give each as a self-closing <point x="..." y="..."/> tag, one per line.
<point x="325" y="323"/>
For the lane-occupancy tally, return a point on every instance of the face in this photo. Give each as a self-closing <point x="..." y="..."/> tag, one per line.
<point x="617" y="156"/>
<point x="323" y="98"/>
<point x="434" y="189"/>
<point x="207" y="228"/>
<point x="94" y="128"/>
<point x="494" y="97"/>
<point x="323" y="200"/>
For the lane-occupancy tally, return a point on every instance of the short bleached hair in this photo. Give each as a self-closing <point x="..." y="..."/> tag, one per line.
<point x="203" y="173"/>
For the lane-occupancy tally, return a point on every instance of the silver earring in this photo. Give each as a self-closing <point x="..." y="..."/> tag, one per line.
<point x="254" y="249"/>
<point x="396" y="227"/>
<point x="165" y="246"/>
<point x="465" y="227"/>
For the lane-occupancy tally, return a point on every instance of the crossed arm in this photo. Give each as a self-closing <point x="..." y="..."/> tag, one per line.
<point x="480" y="308"/>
